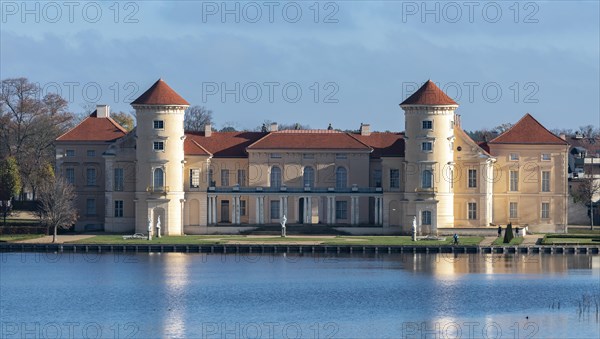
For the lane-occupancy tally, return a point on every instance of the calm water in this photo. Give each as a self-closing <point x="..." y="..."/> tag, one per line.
<point x="274" y="296"/>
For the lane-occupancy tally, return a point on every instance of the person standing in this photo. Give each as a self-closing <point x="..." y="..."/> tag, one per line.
<point x="499" y="231"/>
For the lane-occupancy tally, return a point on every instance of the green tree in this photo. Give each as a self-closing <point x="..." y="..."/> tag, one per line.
<point x="10" y="183"/>
<point x="57" y="205"/>
<point x="508" y="234"/>
<point x="124" y="119"/>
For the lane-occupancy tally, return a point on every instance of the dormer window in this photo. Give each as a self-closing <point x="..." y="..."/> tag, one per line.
<point x="159" y="124"/>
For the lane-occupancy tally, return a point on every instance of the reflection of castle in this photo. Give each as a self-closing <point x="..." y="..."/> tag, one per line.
<point x="199" y="182"/>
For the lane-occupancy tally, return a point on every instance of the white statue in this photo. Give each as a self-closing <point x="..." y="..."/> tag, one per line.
<point x="283" y="221"/>
<point x="149" y="228"/>
<point x="158" y="227"/>
<point x="414" y="229"/>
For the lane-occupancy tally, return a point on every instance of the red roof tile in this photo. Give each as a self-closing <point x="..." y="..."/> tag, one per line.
<point x="160" y="94"/>
<point x="384" y="144"/>
<point x="309" y="139"/>
<point x="223" y="144"/>
<point x="93" y="128"/>
<point x="429" y="94"/>
<point x="528" y="131"/>
<point x="191" y="147"/>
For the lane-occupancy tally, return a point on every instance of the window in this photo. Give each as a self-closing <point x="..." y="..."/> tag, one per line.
<point x="341" y="177"/>
<point x="341" y="156"/>
<point x="225" y="177"/>
<point x="159" y="124"/>
<point x="427" y="124"/>
<point x="275" y="176"/>
<point x="452" y="124"/>
<point x="242" y="207"/>
<point x="514" y="157"/>
<point x="70" y="152"/>
<point x="545" y="181"/>
<point x="90" y="207"/>
<point x="275" y="155"/>
<point x="545" y="210"/>
<point x="90" y="174"/>
<point x="70" y="175"/>
<point x="211" y="182"/>
<point x="472" y="178"/>
<point x="274" y="209"/>
<point x="159" y="178"/>
<point x="514" y="181"/>
<point x="472" y="210"/>
<point x="427" y="179"/>
<point x="513" y="207"/>
<point x="118" y="179"/>
<point x="546" y="157"/>
<point x="159" y="146"/>
<point x="118" y="208"/>
<point x="195" y="178"/>
<point x="308" y="156"/>
<point x="394" y="178"/>
<point x="426" y="217"/>
<point x="241" y="177"/>
<point x="309" y="176"/>
<point x="377" y="177"/>
<point x="91" y="153"/>
<point x="341" y="210"/>
<point x="427" y="146"/>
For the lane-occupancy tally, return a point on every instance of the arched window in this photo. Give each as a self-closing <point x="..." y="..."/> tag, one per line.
<point x="427" y="179"/>
<point x="275" y="176"/>
<point x="309" y="177"/>
<point x="341" y="177"/>
<point x="159" y="178"/>
<point x="426" y="217"/>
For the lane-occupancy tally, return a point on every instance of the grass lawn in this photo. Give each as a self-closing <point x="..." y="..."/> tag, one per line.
<point x="19" y="222"/>
<point x="573" y="230"/>
<point x="516" y="241"/>
<point x="237" y="239"/>
<point x="17" y="237"/>
<point x="572" y="239"/>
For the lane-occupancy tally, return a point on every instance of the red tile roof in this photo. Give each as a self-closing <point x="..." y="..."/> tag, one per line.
<point x="191" y="147"/>
<point x="429" y="94"/>
<point x="309" y="139"/>
<point x="221" y="144"/>
<point x="160" y="94"/>
<point x="93" y="128"/>
<point x="528" y="131"/>
<point x="384" y="144"/>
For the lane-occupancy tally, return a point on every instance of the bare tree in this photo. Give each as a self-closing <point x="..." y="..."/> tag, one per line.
<point x="196" y="117"/>
<point x="586" y="191"/>
<point x="10" y="183"/>
<point x="57" y="208"/>
<point x="589" y="131"/>
<point x="29" y="125"/>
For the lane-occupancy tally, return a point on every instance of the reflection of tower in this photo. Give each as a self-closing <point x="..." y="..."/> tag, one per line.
<point x="429" y="124"/>
<point x="159" y="153"/>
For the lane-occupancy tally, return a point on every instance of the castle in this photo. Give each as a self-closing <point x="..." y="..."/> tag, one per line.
<point x="363" y="182"/>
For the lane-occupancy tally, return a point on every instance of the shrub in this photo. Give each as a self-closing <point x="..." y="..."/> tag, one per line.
<point x="508" y="234"/>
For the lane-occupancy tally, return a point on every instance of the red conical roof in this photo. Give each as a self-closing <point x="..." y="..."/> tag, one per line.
<point x="429" y="94"/>
<point x="160" y="94"/>
<point x="528" y="131"/>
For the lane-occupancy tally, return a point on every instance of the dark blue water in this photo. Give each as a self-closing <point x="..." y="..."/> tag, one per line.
<point x="266" y="296"/>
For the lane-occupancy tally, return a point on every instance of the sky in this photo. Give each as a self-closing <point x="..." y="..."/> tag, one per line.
<point x="315" y="62"/>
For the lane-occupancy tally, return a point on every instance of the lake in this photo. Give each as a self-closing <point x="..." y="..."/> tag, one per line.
<point x="66" y="295"/>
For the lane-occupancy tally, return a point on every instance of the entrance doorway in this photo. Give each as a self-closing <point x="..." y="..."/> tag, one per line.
<point x="225" y="211"/>
<point x="301" y="211"/>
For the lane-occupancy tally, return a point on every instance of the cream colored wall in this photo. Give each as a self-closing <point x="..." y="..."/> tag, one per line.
<point x="529" y="195"/>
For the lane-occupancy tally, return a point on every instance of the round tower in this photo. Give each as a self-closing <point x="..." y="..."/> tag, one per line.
<point x="429" y="155"/>
<point x="160" y="159"/>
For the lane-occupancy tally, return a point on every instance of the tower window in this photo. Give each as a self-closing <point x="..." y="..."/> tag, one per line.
<point x="427" y="146"/>
<point x="427" y="124"/>
<point x="159" y="146"/>
<point x="159" y="124"/>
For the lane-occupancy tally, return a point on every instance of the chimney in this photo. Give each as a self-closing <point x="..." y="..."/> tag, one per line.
<point x="562" y="136"/>
<point x="102" y="111"/>
<point x="365" y="129"/>
<point x="273" y="127"/>
<point x="207" y="130"/>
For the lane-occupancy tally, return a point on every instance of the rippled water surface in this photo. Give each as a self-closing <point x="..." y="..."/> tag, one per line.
<point x="272" y="296"/>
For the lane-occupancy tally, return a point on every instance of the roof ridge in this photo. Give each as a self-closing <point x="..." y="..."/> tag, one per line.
<point x="259" y="139"/>
<point x="202" y="147"/>
<point x="470" y="140"/>
<point x="355" y="138"/>
<point x="117" y="125"/>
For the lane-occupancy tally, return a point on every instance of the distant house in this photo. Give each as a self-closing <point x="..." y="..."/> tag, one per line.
<point x="584" y="162"/>
<point x="223" y="182"/>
